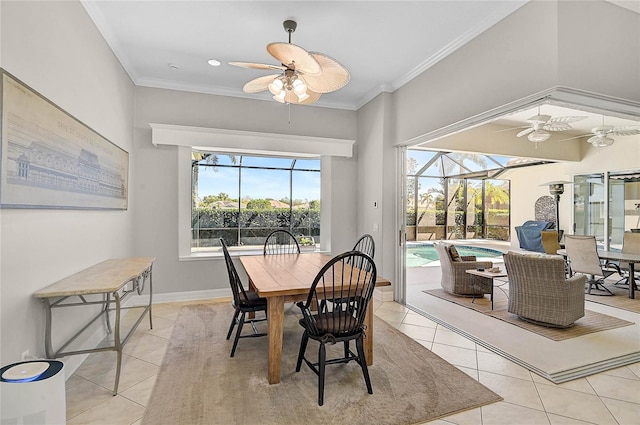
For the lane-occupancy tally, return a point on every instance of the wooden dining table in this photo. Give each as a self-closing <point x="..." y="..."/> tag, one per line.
<point x="288" y="278"/>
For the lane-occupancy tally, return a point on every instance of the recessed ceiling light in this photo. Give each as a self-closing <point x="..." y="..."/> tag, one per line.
<point x="213" y="62"/>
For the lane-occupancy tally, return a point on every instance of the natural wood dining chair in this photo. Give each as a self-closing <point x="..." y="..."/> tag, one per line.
<point x="338" y="322"/>
<point x="281" y="241"/>
<point x="244" y="301"/>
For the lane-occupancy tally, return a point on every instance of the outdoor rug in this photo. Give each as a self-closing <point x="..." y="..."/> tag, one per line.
<point x="591" y="322"/>
<point x="619" y="300"/>
<point x="198" y="383"/>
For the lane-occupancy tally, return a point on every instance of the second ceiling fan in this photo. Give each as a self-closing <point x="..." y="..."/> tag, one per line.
<point x="304" y="75"/>
<point x="540" y="126"/>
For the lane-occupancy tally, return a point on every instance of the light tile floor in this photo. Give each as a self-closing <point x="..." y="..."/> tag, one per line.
<point x="611" y="397"/>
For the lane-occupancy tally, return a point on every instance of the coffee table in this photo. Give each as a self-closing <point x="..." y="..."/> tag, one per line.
<point x="489" y="276"/>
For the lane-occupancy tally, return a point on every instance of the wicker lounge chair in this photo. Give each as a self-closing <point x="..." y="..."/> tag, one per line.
<point x="454" y="278"/>
<point x="540" y="292"/>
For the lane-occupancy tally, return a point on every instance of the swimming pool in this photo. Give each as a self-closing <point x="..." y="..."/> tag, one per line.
<point x="421" y="254"/>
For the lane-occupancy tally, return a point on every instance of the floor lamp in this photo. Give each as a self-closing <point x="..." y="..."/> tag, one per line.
<point x="556" y="188"/>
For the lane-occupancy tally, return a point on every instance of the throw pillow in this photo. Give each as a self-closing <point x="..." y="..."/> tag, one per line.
<point x="454" y="254"/>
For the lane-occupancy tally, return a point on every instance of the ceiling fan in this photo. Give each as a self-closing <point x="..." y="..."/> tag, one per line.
<point x="304" y="75"/>
<point x="601" y="136"/>
<point x="540" y="125"/>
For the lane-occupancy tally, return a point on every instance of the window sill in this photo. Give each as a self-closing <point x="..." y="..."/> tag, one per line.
<point x="205" y="256"/>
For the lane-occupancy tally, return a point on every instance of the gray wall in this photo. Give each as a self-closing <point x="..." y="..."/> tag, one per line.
<point x="156" y="191"/>
<point x="55" y="49"/>
<point x="540" y="46"/>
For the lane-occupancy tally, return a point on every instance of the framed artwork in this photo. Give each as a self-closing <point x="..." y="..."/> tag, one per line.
<point x="49" y="159"/>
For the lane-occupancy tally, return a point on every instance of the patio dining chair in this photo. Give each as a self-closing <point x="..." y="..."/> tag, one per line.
<point x="582" y="254"/>
<point x="338" y="322"/>
<point x="550" y="241"/>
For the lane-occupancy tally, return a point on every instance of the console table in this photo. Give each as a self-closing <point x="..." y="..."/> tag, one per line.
<point x="113" y="280"/>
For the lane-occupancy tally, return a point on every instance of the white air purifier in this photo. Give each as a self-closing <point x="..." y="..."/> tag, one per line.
<point x="33" y="392"/>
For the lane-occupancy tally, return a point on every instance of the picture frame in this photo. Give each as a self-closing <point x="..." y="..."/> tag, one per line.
<point x="49" y="159"/>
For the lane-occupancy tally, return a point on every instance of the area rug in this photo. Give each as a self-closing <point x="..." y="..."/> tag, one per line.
<point x="198" y="383"/>
<point x="619" y="300"/>
<point x="591" y="322"/>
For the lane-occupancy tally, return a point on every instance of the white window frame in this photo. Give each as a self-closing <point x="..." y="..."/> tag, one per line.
<point x="187" y="138"/>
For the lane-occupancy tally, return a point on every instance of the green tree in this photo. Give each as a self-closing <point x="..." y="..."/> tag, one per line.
<point x="208" y="200"/>
<point x="496" y="194"/>
<point x="259" y="204"/>
<point x="426" y="198"/>
<point x="314" y="205"/>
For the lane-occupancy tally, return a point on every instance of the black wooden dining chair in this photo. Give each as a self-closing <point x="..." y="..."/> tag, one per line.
<point x="244" y="301"/>
<point x="366" y="244"/>
<point x="281" y="241"/>
<point x="338" y="322"/>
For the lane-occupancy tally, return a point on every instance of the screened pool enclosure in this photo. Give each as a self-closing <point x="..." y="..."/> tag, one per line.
<point x="457" y="195"/>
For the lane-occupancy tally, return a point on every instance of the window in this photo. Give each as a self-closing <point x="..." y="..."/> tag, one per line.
<point x="607" y="205"/>
<point x="243" y="198"/>
<point x="457" y="196"/>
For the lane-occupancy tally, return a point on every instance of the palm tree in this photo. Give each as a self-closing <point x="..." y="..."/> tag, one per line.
<point x="207" y="158"/>
<point x="496" y="194"/>
<point x="426" y="198"/>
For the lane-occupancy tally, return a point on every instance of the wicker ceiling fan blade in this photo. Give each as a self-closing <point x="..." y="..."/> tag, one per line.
<point x="294" y="57"/>
<point x="566" y="119"/>
<point x="259" y="84"/>
<point x="334" y="76"/>
<point x="559" y="126"/>
<point x="257" y="65"/>
<point x="629" y="130"/>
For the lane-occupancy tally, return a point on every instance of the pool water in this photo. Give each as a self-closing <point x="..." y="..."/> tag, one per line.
<point x="419" y="255"/>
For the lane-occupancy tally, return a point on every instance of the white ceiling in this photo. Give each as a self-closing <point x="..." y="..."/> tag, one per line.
<point x="384" y="44"/>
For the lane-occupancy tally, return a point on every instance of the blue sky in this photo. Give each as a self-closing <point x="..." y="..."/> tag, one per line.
<point x="259" y="183"/>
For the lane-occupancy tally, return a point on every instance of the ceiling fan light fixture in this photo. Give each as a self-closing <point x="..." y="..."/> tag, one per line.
<point x="304" y="77"/>
<point x="299" y="87"/>
<point x="276" y="86"/>
<point x="280" y="96"/>
<point x="538" y="136"/>
<point x="601" y="141"/>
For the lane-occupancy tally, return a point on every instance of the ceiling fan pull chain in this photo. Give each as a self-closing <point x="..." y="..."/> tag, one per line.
<point x="289" y="104"/>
